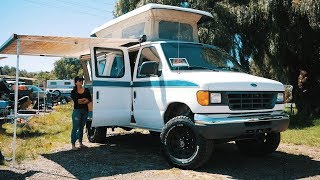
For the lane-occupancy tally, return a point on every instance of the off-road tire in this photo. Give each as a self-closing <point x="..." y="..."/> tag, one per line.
<point x="182" y="146"/>
<point x="96" y="134"/>
<point x="263" y="144"/>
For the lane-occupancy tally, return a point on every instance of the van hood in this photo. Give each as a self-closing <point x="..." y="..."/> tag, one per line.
<point x="230" y="81"/>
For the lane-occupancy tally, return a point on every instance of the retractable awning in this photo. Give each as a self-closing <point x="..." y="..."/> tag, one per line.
<point x="53" y="46"/>
<point x="57" y="46"/>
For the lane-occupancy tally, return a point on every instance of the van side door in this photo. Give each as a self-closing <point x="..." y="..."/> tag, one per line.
<point x="111" y="77"/>
<point x="148" y="92"/>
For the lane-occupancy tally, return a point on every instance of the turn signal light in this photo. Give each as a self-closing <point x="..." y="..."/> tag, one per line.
<point x="203" y="98"/>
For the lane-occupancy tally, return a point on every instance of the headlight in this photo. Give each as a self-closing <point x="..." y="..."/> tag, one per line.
<point x="203" y="98"/>
<point x="215" y="97"/>
<point x="280" y="98"/>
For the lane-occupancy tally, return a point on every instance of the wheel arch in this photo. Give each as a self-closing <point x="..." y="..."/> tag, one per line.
<point x="177" y="109"/>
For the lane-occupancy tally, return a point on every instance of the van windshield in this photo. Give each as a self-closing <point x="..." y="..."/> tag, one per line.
<point x="184" y="56"/>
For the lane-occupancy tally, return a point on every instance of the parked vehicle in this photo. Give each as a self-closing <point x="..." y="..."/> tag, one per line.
<point x="7" y="98"/>
<point x="36" y="92"/>
<point x="192" y="94"/>
<point x="60" y="89"/>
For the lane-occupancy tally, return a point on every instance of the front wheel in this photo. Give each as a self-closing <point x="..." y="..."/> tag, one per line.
<point x="183" y="146"/>
<point x="263" y="144"/>
<point x="96" y="134"/>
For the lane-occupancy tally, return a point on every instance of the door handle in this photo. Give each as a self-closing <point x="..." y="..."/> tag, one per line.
<point x="97" y="95"/>
<point x="134" y="95"/>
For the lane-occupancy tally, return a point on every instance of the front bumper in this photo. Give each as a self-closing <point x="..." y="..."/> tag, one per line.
<point x="212" y="126"/>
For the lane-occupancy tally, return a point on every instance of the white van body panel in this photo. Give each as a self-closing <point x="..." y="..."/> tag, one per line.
<point x="112" y="96"/>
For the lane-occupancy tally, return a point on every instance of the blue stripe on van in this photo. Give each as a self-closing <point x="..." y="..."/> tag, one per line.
<point x="173" y="83"/>
<point x="111" y="83"/>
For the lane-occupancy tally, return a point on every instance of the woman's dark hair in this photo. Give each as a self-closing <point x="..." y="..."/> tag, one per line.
<point x="77" y="78"/>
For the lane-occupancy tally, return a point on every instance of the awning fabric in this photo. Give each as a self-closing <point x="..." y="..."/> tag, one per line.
<point x="57" y="46"/>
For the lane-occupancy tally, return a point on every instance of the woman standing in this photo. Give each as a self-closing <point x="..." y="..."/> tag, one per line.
<point x="81" y="97"/>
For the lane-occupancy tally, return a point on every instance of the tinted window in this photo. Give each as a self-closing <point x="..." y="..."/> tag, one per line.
<point x="53" y="83"/>
<point x="148" y="54"/>
<point x="109" y="63"/>
<point x="185" y="56"/>
<point x="175" y="31"/>
<point x="134" y="31"/>
<point x="67" y="83"/>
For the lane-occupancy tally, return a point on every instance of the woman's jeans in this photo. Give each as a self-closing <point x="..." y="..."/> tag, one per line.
<point x="79" y="118"/>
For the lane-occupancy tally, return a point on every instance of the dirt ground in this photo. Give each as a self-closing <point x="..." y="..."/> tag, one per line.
<point x="138" y="156"/>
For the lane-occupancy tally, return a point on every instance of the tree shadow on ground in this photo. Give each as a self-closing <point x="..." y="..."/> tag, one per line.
<point x="24" y="131"/>
<point x="227" y="160"/>
<point x="121" y="154"/>
<point x="136" y="152"/>
<point x="7" y="174"/>
<point x="301" y="121"/>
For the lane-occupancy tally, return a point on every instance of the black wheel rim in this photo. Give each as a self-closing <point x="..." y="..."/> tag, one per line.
<point x="264" y="138"/>
<point x="181" y="142"/>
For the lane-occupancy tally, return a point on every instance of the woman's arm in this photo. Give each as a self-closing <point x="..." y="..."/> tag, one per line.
<point x="88" y="95"/>
<point x="74" y="96"/>
<point x="83" y="101"/>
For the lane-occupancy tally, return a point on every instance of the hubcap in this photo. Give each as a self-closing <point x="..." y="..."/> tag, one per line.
<point x="181" y="142"/>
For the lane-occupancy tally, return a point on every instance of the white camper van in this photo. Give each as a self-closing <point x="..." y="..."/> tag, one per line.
<point x="61" y="89"/>
<point x="194" y="95"/>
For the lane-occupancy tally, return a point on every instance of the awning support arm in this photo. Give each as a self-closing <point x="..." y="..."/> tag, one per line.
<point x="16" y="91"/>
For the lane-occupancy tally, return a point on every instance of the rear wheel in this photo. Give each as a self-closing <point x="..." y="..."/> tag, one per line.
<point x="96" y="134"/>
<point x="183" y="146"/>
<point x="56" y="93"/>
<point x="263" y="144"/>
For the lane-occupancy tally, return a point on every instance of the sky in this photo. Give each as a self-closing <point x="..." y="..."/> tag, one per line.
<point x="51" y="18"/>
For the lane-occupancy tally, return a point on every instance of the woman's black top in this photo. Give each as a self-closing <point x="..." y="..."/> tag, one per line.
<point x="75" y="96"/>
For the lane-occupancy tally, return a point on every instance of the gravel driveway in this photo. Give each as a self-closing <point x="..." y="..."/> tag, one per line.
<point x="137" y="156"/>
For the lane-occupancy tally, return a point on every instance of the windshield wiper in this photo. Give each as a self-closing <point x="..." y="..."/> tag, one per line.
<point x="201" y="67"/>
<point x="229" y="68"/>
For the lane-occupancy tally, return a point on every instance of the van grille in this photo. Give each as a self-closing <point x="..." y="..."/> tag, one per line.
<point x="251" y="101"/>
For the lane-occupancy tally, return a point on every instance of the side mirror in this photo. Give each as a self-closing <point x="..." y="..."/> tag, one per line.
<point x="149" y="68"/>
<point x="142" y="39"/>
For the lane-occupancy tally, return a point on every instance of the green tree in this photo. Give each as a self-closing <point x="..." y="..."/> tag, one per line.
<point x="67" y="68"/>
<point x="43" y="76"/>
<point x="11" y="71"/>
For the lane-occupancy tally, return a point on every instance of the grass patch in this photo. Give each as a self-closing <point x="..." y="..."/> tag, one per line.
<point x="41" y="135"/>
<point x="302" y="131"/>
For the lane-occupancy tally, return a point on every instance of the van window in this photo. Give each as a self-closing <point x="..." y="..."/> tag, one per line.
<point x="148" y="54"/>
<point x="67" y="83"/>
<point x="134" y="31"/>
<point x="109" y="63"/>
<point x="170" y="30"/>
<point x="198" y="57"/>
<point x="53" y="83"/>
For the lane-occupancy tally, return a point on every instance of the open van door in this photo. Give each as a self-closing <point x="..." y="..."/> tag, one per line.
<point x="111" y="84"/>
<point x="111" y="75"/>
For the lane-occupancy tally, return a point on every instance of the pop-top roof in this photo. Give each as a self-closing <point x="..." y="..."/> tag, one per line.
<point x="146" y="8"/>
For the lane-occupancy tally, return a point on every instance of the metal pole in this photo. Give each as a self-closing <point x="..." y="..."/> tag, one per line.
<point x="38" y="102"/>
<point x="44" y="100"/>
<point x="16" y="103"/>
